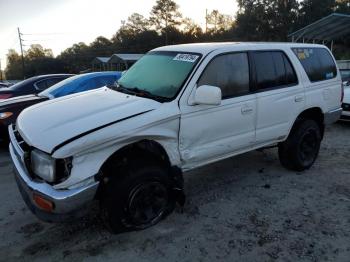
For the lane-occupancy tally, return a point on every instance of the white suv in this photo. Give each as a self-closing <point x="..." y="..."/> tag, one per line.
<point x="178" y="108"/>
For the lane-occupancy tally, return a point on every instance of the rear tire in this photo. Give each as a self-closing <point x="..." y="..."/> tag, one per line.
<point x="138" y="197"/>
<point x="300" y="150"/>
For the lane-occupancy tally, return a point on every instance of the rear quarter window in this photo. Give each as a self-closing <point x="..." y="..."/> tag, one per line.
<point x="317" y="63"/>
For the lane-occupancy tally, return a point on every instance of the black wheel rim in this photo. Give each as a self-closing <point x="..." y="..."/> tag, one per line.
<point x="147" y="203"/>
<point x="308" y="147"/>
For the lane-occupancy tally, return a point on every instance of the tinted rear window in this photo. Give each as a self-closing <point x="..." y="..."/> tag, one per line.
<point x="273" y="69"/>
<point x="317" y="62"/>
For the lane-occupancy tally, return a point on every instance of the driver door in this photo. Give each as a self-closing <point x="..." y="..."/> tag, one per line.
<point x="209" y="133"/>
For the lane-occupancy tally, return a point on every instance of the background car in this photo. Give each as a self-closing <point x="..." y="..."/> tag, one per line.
<point x="33" y="85"/>
<point x="345" y="76"/>
<point x="11" y="108"/>
<point x="3" y="84"/>
<point x="346" y="104"/>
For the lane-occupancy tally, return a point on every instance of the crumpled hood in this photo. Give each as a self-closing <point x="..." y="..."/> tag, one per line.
<point x="53" y="122"/>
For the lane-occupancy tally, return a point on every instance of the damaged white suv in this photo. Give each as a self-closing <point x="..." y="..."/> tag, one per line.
<point x="178" y="108"/>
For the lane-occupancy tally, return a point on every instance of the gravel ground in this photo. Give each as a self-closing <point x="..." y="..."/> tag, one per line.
<point x="246" y="208"/>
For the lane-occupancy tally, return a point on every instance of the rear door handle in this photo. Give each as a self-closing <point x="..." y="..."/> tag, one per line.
<point x="246" y="110"/>
<point x="299" y="98"/>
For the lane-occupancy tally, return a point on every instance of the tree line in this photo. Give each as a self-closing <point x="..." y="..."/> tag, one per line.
<point x="255" y="20"/>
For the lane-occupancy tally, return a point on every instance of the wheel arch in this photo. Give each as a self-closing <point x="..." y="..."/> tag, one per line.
<point x="314" y="113"/>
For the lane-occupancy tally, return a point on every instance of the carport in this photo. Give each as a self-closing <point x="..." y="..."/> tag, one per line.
<point x="100" y="63"/>
<point x="324" y="31"/>
<point x="122" y="62"/>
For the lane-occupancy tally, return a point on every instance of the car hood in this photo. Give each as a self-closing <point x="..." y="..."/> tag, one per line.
<point x="51" y="123"/>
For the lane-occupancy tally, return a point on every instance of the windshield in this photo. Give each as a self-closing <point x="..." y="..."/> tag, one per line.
<point x="22" y="84"/>
<point x="66" y="82"/>
<point x="159" y="74"/>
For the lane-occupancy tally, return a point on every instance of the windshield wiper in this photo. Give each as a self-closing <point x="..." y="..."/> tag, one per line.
<point x="144" y="93"/>
<point x="123" y="89"/>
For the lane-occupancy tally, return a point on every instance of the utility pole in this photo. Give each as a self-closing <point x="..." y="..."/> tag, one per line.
<point x="20" y="43"/>
<point x="206" y="20"/>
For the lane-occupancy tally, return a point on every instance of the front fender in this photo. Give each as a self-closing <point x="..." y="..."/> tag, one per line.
<point x="88" y="162"/>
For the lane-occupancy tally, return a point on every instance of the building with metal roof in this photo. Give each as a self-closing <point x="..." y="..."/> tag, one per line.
<point x="118" y="62"/>
<point x="122" y="62"/>
<point x="325" y="30"/>
<point x="100" y="63"/>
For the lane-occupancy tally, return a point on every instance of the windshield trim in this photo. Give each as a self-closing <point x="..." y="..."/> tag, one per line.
<point x="169" y="99"/>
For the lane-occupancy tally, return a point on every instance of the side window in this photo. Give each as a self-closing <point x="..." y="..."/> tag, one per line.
<point x="41" y="85"/>
<point x="317" y="62"/>
<point x="53" y="81"/>
<point x="228" y="72"/>
<point x="273" y="69"/>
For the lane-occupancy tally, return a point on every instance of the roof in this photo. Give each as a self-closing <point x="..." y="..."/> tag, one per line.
<point x="329" y="28"/>
<point x="124" y="57"/>
<point x="103" y="73"/>
<point x="205" y="48"/>
<point x="100" y="59"/>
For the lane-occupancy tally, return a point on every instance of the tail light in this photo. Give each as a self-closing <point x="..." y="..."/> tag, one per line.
<point x="5" y="96"/>
<point x="342" y="92"/>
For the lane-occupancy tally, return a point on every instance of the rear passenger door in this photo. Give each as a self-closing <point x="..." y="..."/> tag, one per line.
<point x="280" y="96"/>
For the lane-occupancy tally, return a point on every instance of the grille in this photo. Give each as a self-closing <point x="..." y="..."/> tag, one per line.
<point x="346" y="107"/>
<point x="22" y="146"/>
<point x="20" y="141"/>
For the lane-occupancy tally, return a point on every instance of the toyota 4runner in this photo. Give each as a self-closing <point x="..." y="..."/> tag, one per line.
<point x="178" y="108"/>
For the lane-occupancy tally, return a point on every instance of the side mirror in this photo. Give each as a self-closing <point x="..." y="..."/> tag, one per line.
<point x="346" y="83"/>
<point x="207" y="95"/>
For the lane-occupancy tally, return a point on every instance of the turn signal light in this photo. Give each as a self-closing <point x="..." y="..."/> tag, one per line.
<point x="43" y="203"/>
<point x="5" y="115"/>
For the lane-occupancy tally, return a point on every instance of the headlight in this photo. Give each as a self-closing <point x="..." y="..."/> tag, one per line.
<point x="43" y="165"/>
<point x="5" y="115"/>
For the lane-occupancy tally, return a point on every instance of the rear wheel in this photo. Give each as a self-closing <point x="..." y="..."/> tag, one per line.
<point x="301" y="148"/>
<point x="137" y="198"/>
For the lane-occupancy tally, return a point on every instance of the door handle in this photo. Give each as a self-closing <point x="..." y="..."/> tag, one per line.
<point x="246" y="110"/>
<point x="298" y="99"/>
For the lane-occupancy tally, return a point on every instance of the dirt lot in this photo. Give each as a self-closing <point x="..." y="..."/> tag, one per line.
<point x="247" y="208"/>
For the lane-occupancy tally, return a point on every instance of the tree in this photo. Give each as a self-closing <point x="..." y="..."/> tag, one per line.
<point x="218" y="22"/>
<point x="136" y="24"/>
<point x="268" y="20"/>
<point x="342" y="6"/>
<point x="14" y="65"/>
<point x="313" y="10"/>
<point x="190" y="28"/>
<point x="37" y="51"/>
<point x="164" y="15"/>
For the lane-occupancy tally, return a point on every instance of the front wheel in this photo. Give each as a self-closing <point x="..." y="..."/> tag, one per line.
<point x="300" y="150"/>
<point x="137" y="199"/>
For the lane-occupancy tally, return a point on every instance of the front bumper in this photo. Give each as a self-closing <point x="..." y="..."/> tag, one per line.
<point x="332" y="116"/>
<point x="345" y="116"/>
<point x="68" y="204"/>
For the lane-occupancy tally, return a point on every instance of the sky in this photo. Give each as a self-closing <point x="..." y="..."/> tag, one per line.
<point x="58" y="24"/>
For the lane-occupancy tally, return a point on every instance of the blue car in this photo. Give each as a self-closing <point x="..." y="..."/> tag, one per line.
<point x="80" y="83"/>
<point x="12" y="107"/>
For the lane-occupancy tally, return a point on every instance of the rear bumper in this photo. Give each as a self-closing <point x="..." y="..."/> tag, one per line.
<point x="68" y="204"/>
<point x="332" y="116"/>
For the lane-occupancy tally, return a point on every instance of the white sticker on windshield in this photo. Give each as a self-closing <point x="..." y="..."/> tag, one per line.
<point x="186" y="58"/>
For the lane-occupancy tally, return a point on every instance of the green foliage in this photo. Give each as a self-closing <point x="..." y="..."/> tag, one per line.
<point x="165" y="14"/>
